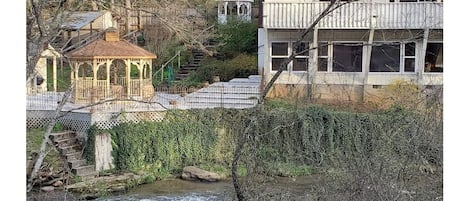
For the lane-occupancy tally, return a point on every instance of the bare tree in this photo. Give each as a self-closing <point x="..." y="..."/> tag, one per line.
<point x="243" y="137"/>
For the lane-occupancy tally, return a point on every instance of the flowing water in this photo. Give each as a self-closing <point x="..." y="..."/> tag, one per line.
<point x="176" y="189"/>
<point x="180" y="190"/>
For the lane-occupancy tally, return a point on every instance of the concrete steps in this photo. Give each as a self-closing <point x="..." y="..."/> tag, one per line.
<point x="238" y="93"/>
<point x="70" y="147"/>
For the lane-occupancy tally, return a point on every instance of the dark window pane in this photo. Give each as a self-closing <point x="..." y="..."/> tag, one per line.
<point x="300" y="64"/>
<point x="302" y="48"/>
<point x="410" y="49"/>
<point x="276" y="62"/>
<point x="322" y="49"/>
<point x="279" y="49"/>
<point x="409" y="65"/>
<point x="434" y="57"/>
<point x="385" y="58"/>
<point x="322" y="64"/>
<point x="347" y="58"/>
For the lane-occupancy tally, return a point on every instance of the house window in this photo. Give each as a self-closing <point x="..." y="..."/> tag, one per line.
<point x="385" y="57"/>
<point x="323" y="56"/>
<point x="347" y="57"/>
<point x="279" y="54"/>
<point x="434" y="58"/>
<point x="409" y="57"/>
<point x="300" y="63"/>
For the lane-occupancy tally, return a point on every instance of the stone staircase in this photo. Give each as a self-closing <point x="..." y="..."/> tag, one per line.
<point x="192" y="66"/>
<point x="238" y="93"/>
<point x="70" y="147"/>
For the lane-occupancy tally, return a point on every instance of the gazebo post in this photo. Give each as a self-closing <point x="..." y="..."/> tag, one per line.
<point x="127" y="76"/>
<point x="108" y="77"/>
<point x="95" y="90"/>
<point x="54" y="73"/>
<point x="140" y="70"/>
<point x="76" y="65"/>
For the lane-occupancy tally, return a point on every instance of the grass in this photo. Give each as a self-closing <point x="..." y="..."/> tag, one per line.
<point x="34" y="139"/>
<point x="63" y="78"/>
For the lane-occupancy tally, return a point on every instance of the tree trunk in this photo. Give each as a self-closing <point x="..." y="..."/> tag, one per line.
<point x="42" y="151"/>
<point x="237" y="154"/>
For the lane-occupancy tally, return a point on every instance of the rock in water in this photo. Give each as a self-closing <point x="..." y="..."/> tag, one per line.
<point x="58" y="184"/>
<point x="47" y="188"/>
<point x="194" y="173"/>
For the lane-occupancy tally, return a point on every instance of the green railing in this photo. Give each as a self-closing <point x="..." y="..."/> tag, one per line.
<point x="170" y="62"/>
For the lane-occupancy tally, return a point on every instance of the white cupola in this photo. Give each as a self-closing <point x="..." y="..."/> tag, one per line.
<point x="240" y="9"/>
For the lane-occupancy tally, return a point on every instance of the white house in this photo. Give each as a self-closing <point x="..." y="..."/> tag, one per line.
<point x="356" y="49"/>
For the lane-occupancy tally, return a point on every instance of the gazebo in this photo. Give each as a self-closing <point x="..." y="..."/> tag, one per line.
<point x="240" y="9"/>
<point x="111" y="69"/>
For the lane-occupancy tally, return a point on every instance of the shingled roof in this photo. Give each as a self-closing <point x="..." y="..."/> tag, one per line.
<point x="111" y="49"/>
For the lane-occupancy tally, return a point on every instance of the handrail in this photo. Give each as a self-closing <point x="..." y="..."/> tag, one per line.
<point x="85" y="41"/>
<point x="178" y="55"/>
<point x="130" y="35"/>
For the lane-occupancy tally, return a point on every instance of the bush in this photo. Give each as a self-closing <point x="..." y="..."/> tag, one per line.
<point x="242" y="65"/>
<point x="236" y="37"/>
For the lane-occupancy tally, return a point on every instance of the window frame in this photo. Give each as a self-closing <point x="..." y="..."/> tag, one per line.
<point x="278" y="56"/>
<point x="289" y="52"/>
<point x="330" y="56"/>
<point x="307" y="56"/>
<point x="327" y="57"/>
<point x="402" y="57"/>
<point x="442" y="44"/>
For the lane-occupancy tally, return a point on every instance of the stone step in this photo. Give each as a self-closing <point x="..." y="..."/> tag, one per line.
<point x="213" y="105"/>
<point x="230" y="90"/>
<point x="73" y="156"/>
<point x="77" y="163"/>
<point x="190" y="65"/>
<point x="70" y="149"/>
<point x="186" y="70"/>
<point x="256" y="77"/>
<point x="244" y="80"/>
<point x="222" y="96"/>
<point x="66" y="142"/>
<point x="84" y="170"/>
<point x="181" y="76"/>
<point x="62" y="135"/>
<point x="190" y="100"/>
<point x="236" y="84"/>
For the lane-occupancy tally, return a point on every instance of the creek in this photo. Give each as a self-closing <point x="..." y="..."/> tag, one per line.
<point x="176" y="189"/>
<point x="180" y="190"/>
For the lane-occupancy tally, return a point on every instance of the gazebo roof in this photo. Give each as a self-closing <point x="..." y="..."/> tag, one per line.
<point x="111" y="49"/>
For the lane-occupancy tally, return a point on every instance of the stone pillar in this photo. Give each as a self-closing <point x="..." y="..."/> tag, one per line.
<point x="102" y="152"/>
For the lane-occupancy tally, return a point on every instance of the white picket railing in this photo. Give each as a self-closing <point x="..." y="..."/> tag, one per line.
<point x="298" y="14"/>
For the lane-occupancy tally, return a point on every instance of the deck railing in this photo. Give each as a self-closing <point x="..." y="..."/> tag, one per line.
<point x="164" y="98"/>
<point x="357" y="15"/>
